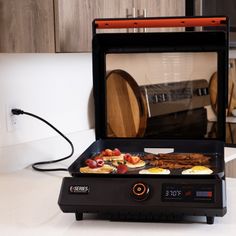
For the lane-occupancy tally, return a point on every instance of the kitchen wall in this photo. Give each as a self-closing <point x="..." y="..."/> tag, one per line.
<point x="57" y="87"/>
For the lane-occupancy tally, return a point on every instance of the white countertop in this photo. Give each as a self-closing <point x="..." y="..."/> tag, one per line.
<point x="28" y="206"/>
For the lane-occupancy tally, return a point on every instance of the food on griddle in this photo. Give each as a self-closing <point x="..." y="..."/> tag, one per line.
<point x="109" y="152"/>
<point x="141" y="163"/>
<point x="116" y="152"/>
<point x="177" y="160"/>
<point x="105" y="169"/>
<point x="97" y="162"/>
<point x="149" y="156"/>
<point x="155" y="171"/>
<point x="196" y="157"/>
<point x="130" y="161"/>
<point x="122" y="169"/>
<point x="198" y="170"/>
<point x="110" y="155"/>
<point x="169" y="165"/>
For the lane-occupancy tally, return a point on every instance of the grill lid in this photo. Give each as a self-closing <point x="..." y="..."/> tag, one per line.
<point x="157" y="84"/>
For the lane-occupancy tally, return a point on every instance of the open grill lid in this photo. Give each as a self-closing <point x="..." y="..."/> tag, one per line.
<point x="142" y="103"/>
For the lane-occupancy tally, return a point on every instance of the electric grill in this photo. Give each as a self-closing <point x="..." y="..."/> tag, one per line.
<point x="146" y="197"/>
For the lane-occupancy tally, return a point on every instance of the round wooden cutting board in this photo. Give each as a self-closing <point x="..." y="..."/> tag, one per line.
<point x="126" y="106"/>
<point x="213" y="92"/>
<point x="231" y="91"/>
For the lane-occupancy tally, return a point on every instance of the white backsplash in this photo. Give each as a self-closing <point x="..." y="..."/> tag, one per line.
<point x="57" y="87"/>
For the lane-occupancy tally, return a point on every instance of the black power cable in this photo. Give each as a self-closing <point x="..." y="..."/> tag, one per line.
<point x="34" y="166"/>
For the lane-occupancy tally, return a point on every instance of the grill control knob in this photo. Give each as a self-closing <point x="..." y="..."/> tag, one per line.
<point x="140" y="191"/>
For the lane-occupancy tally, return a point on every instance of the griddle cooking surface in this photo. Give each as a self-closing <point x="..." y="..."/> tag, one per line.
<point x="213" y="164"/>
<point x="214" y="150"/>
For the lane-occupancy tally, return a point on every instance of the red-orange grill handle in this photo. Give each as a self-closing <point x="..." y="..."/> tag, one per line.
<point x="160" y="22"/>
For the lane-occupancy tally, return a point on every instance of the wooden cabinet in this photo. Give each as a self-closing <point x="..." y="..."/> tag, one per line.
<point x="74" y="18"/>
<point x="161" y="7"/>
<point x="26" y="26"/>
<point x="156" y="8"/>
<point x="66" y="25"/>
<point x="74" y="21"/>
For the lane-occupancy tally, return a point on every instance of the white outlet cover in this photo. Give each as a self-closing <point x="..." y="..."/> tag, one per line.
<point x="11" y="120"/>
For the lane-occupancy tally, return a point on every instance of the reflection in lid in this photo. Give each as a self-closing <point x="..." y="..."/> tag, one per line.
<point x="126" y="108"/>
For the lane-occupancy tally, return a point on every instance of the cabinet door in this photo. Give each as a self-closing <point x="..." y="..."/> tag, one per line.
<point x="26" y="26"/>
<point x="74" y="18"/>
<point x="74" y="21"/>
<point x="157" y="8"/>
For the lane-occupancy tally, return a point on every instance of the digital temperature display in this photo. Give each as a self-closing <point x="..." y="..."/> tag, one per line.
<point x="177" y="193"/>
<point x="187" y="193"/>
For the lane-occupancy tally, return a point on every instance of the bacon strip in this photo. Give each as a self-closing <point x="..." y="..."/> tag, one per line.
<point x="177" y="161"/>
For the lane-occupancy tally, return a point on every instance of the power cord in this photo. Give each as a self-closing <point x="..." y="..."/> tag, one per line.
<point x="34" y="166"/>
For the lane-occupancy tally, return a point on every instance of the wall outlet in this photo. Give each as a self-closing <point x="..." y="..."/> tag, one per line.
<point x="11" y="120"/>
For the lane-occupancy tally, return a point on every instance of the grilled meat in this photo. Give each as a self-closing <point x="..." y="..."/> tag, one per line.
<point x="177" y="160"/>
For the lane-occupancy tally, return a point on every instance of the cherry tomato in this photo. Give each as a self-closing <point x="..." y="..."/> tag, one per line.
<point x="116" y="152"/>
<point x="103" y="153"/>
<point x="108" y="152"/>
